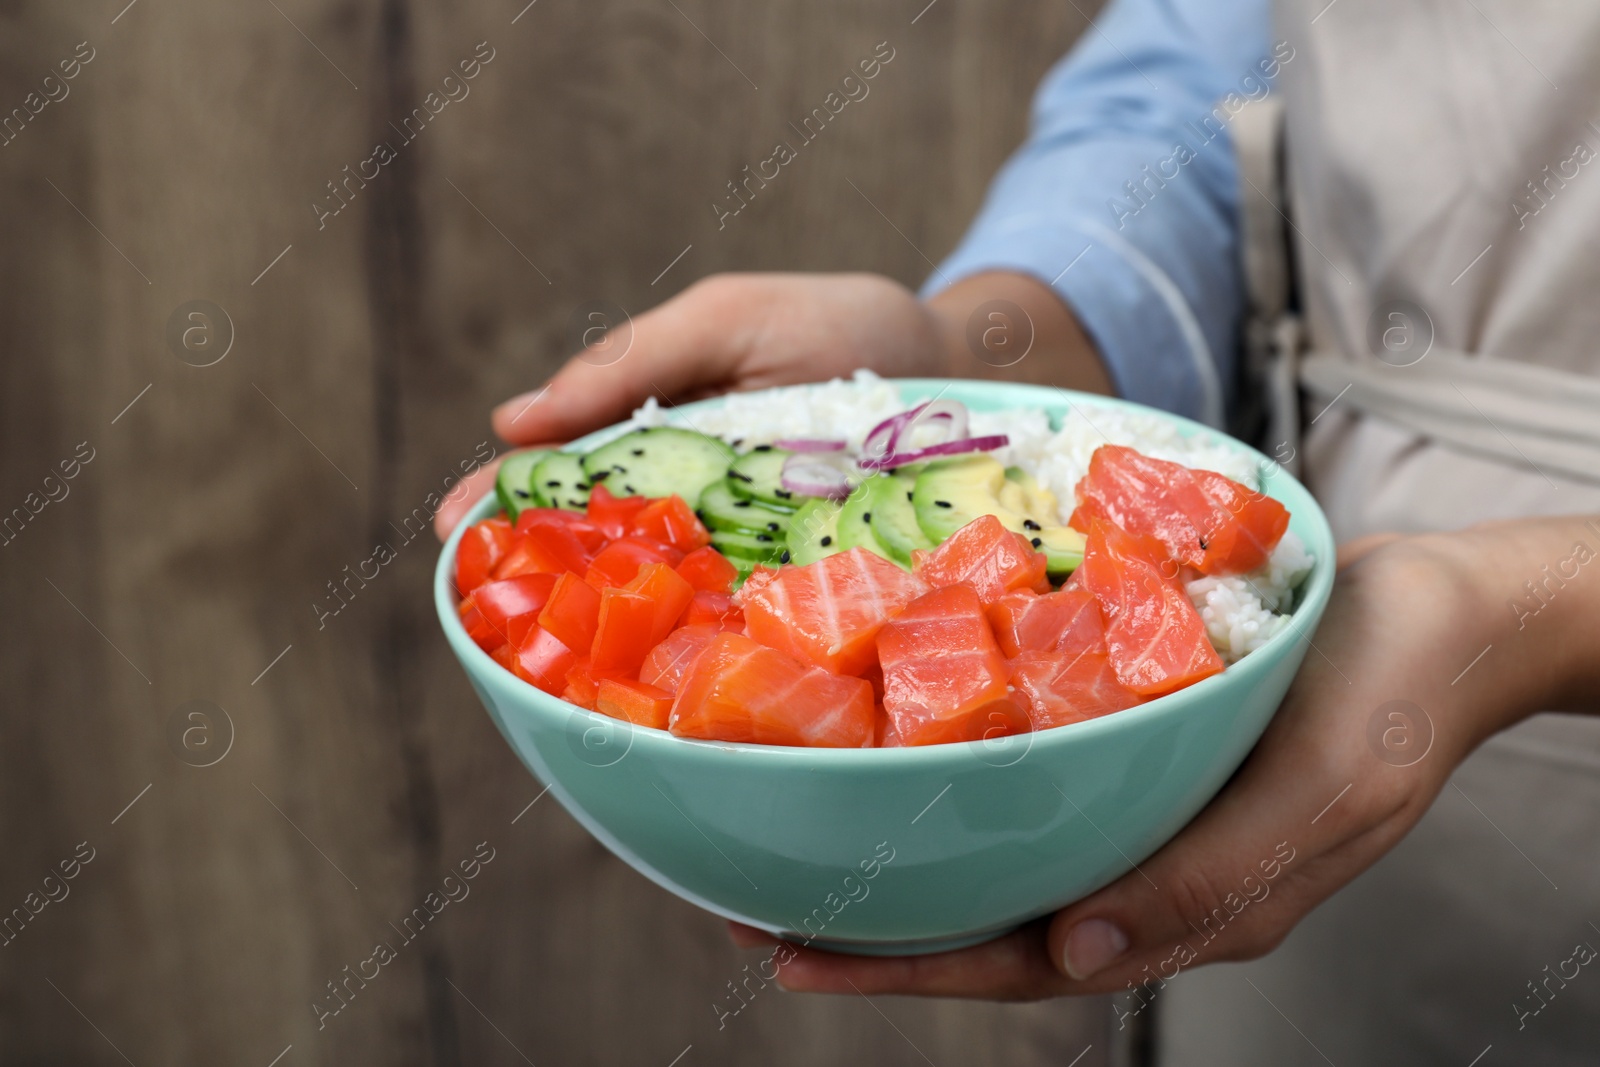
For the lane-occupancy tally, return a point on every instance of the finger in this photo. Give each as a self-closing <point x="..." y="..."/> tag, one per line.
<point x="692" y="343"/>
<point x="1352" y="552"/>
<point x="1013" y="967"/>
<point x="748" y="936"/>
<point x="465" y="493"/>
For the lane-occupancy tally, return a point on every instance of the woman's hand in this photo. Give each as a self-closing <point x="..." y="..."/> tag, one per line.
<point x="1389" y="701"/>
<point x="750" y="331"/>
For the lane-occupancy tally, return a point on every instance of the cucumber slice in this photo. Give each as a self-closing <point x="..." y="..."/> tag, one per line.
<point x="894" y="517"/>
<point x="758" y="475"/>
<point x="814" y="531"/>
<point x="514" y="484"/>
<point x="719" y="509"/>
<point x="659" y="461"/>
<point x="951" y="493"/>
<point x="749" y="549"/>
<point x="855" y="523"/>
<point x="559" y="482"/>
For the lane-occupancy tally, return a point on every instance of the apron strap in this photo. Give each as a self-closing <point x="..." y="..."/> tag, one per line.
<point x="1268" y="408"/>
<point x="1522" y="413"/>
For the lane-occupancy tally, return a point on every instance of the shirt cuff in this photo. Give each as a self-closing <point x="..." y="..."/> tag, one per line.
<point x="1138" y="318"/>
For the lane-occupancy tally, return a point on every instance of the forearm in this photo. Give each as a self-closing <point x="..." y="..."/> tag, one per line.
<point x="1013" y="327"/>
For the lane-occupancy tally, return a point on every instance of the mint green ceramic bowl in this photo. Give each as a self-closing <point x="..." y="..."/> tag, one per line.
<point x="900" y="851"/>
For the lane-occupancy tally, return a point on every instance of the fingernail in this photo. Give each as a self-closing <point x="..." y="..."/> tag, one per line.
<point x="1091" y="946"/>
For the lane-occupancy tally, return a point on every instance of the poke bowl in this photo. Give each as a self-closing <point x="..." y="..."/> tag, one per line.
<point x="883" y="835"/>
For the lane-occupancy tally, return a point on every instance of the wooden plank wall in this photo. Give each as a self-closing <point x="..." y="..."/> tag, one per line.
<point x="182" y="560"/>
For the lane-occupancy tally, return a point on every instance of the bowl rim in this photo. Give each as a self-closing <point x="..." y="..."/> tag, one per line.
<point x="1315" y="591"/>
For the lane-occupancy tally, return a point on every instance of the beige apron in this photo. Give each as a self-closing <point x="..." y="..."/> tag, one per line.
<point x="1444" y="167"/>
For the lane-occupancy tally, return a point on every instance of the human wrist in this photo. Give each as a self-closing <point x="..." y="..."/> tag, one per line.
<point x="1010" y="326"/>
<point x="1528" y="597"/>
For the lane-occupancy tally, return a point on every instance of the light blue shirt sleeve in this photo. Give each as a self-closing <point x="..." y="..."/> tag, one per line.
<point x="1124" y="197"/>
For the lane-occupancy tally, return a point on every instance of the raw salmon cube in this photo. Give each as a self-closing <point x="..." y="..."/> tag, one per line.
<point x="987" y="556"/>
<point x="1057" y="688"/>
<point x="1156" y="639"/>
<point x="1068" y="619"/>
<point x="741" y="690"/>
<point x="1205" y="520"/>
<point x="828" y="612"/>
<point x="669" y="661"/>
<point x="944" y="678"/>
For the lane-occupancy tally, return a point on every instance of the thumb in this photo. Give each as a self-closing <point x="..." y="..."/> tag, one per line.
<point x="690" y="344"/>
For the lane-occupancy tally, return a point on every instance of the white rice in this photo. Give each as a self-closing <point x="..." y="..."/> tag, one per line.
<point x="1240" y="612"/>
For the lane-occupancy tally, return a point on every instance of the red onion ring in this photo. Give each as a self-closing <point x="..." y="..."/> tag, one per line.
<point x="825" y="474"/>
<point x="884" y="440"/>
<point x="810" y="444"/>
<point x="948" y="448"/>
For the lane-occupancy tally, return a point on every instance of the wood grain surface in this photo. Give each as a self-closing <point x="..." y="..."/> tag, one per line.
<point x="356" y="356"/>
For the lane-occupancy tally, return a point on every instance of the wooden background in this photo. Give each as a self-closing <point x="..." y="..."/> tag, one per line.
<point x="188" y="553"/>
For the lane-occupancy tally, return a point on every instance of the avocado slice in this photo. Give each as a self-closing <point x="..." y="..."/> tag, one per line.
<point x="952" y="492"/>
<point x="894" y="518"/>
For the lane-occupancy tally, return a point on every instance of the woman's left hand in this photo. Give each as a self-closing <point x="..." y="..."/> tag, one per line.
<point x="1389" y="701"/>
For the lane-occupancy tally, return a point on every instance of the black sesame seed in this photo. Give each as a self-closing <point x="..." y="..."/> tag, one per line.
<point x="741" y="475"/>
<point x="580" y="485"/>
<point x="523" y="493"/>
<point x="599" y="476"/>
<point x="766" y="538"/>
<point x="826" y="541"/>
<point x="619" y="468"/>
<point x="1202" y="541"/>
<point x="578" y="504"/>
<point x="783" y="557"/>
<point x="630" y="490"/>
<point x="638" y="451"/>
<point x="742" y="503"/>
<point x="1037" y="541"/>
<point x="783" y="494"/>
<point x="1031" y="525"/>
<point x="944" y="503"/>
<point x="866" y="516"/>
<point x="772" y="526"/>
<point x="737" y="441"/>
<point x="908" y="496"/>
<point x="762" y="448"/>
<point x="554" y="483"/>
<point x="699" y="514"/>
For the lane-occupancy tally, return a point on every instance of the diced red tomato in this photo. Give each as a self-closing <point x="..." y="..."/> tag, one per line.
<point x="669" y="520"/>
<point x="506" y="656"/>
<point x="543" y="660"/>
<point x="944" y="678"/>
<point x="1068" y="619"/>
<point x="1205" y="520"/>
<point x="622" y="637"/>
<point x="1156" y="639"/>
<point x="588" y="534"/>
<point x="582" y="686"/>
<point x="640" y="704"/>
<point x="668" y="591"/>
<point x="614" y="514"/>
<point x="572" y="612"/>
<point x="707" y="569"/>
<point x="713" y="609"/>
<point x="669" y="661"/>
<point x="511" y="605"/>
<point x="482" y="548"/>
<point x="986" y="555"/>
<point x="740" y="690"/>
<point x="482" y="634"/>
<point x="1058" y="688"/>
<point x="619" y="562"/>
<point x="828" y="612"/>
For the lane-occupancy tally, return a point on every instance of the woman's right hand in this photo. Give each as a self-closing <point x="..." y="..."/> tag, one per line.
<point x="735" y="332"/>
